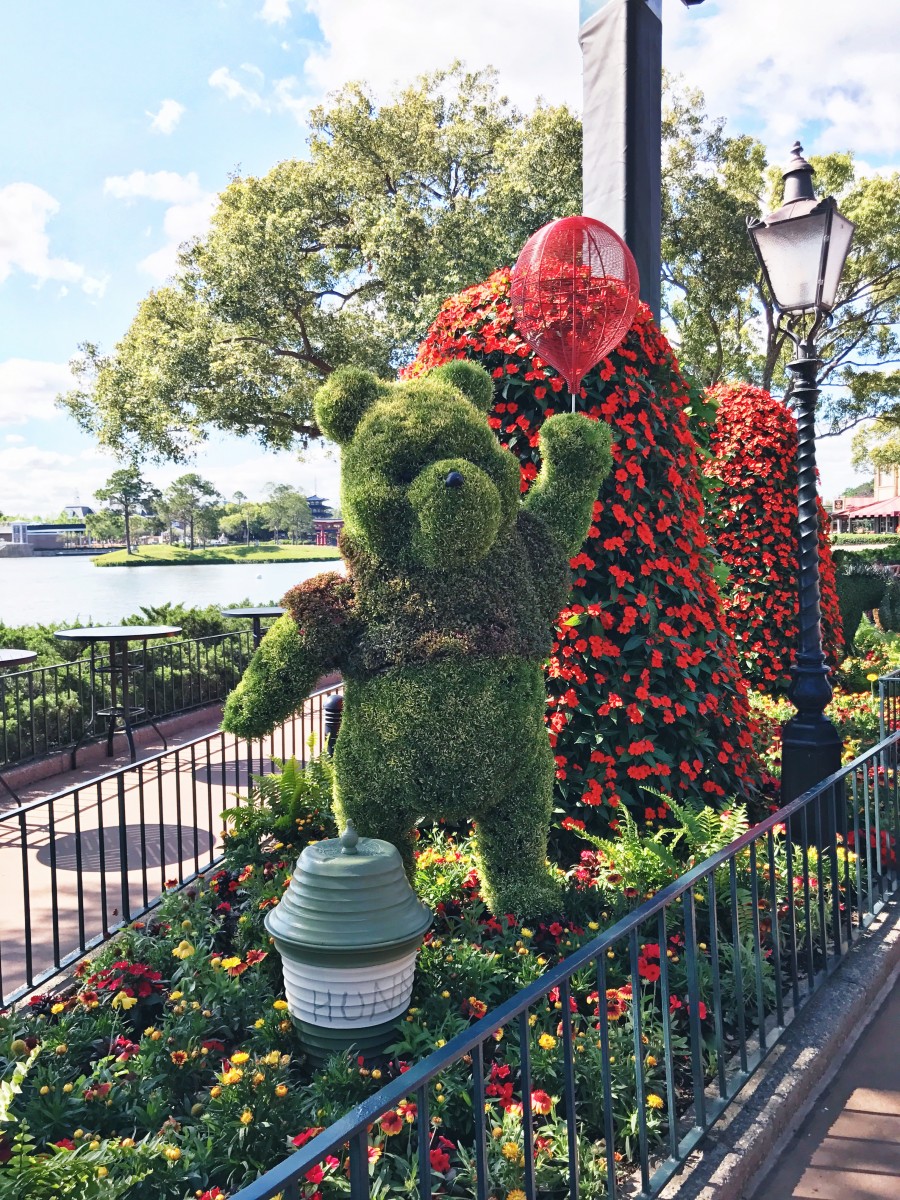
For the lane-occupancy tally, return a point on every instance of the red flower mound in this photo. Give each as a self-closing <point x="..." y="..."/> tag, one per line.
<point x="643" y="684"/>
<point x="754" y="454"/>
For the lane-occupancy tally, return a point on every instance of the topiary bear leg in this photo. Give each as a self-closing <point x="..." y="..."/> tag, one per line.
<point x="512" y="845"/>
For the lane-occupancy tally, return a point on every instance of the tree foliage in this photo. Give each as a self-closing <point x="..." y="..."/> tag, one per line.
<point x="190" y="500"/>
<point x="342" y="256"/>
<point x="127" y="492"/>
<point x="346" y="254"/>
<point x="726" y="325"/>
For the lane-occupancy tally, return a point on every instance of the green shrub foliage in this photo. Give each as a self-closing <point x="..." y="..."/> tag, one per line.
<point x="443" y="621"/>
<point x="860" y="588"/>
<point x="643" y="683"/>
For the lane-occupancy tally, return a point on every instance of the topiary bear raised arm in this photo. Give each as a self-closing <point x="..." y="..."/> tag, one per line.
<point x="443" y="621"/>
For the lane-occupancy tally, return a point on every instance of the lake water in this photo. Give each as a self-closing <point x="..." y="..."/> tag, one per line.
<point x="71" y="589"/>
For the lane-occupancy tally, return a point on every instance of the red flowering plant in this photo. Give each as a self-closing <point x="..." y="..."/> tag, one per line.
<point x="753" y="456"/>
<point x="643" y="684"/>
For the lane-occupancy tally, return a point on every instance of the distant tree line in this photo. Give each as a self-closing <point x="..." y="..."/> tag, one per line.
<point x="191" y="510"/>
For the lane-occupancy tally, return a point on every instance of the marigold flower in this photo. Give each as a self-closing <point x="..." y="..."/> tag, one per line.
<point x="546" y="1041"/>
<point x="239" y="1058"/>
<point x="510" y="1150"/>
<point x="246" y="1117"/>
<point x="124" y="1001"/>
<point x="654" y="1101"/>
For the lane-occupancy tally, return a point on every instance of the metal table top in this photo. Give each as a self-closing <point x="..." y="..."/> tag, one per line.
<point x="252" y="612"/>
<point x="13" y="657"/>
<point x="117" y="633"/>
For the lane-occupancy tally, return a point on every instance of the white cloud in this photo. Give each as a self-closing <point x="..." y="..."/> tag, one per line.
<point x="28" y="389"/>
<point x="167" y="186"/>
<point x="287" y="101"/>
<point x="14" y="439"/>
<point x="275" y="12"/>
<point x="223" y="80"/>
<point x="36" y="480"/>
<point x="181" y="223"/>
<point x="25" y="210"/>
<point x="532" y="43"/>
<point x="165" y="121"/>
<point x="831" y="68"/>
<point x="187" y="216"/>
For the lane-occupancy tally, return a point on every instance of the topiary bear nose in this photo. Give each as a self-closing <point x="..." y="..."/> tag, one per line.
<point x="454" y="480"/>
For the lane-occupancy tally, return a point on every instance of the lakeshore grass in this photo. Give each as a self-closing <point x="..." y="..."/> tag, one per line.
<point x="179" y="556"/>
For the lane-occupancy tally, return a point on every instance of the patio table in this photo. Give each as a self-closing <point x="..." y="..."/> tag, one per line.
<point x="257" y="615"/>
<point x="119" y="669"/>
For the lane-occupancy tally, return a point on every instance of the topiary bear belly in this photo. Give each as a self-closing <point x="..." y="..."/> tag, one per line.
<point x="444" y="738"/>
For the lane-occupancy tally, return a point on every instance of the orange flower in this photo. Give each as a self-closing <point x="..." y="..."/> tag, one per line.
<point x="391" y="1123"/>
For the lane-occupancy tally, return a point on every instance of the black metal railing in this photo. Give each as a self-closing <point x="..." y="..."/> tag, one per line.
<point x="79" y="865"/>
<point x="889" y="703"/>
<point x="44" y="709"/>
<point x="690" y="991"/>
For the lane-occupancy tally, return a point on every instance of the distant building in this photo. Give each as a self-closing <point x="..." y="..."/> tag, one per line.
<point x="876" y="514"/>
<point x="77" y="512"/>
<point x="319" y="510"/>
<point x="41" y="535"/>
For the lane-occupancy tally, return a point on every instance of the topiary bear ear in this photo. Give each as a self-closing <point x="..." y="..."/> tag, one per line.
<point x="469" y="378"/>
<point x="342" y="402"/>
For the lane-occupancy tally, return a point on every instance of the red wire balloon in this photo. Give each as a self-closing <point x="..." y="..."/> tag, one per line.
<point x="574" y="292"/>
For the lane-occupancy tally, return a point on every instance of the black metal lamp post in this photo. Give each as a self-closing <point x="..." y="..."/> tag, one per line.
<point x="802" y="248"/>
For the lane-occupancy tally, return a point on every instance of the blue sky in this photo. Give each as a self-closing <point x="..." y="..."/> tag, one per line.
<point x="119" y="123"/>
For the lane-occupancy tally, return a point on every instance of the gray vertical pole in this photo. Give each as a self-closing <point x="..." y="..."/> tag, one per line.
<point x="621" y="43"/>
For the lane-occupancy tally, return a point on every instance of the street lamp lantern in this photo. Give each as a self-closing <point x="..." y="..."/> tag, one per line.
<point x="802" y="248"/>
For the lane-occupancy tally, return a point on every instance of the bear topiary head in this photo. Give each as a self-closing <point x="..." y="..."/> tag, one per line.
<point x="424" y="481"/>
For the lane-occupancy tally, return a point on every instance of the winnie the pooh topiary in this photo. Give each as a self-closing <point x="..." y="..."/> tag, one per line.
<point x="443" y="621"/>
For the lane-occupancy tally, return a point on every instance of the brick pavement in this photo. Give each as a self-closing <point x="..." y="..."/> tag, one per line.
<point x="849" y="1146"/>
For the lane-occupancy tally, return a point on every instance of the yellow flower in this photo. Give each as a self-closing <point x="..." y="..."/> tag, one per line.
<point x="654" y="1101"/>
<point x="68" y="1087"/>
<point x="57" y="1009"/>
<point x="527" y="933"/>
<point x="172" y="1153"/>
<point x="650" y="1060"/>
<point x="872" y="676"/>
<point x="183" y="950"/>
<point x="516" y="1194"/>
<point x="510" y="1150"/>
<point x="281" y="1091"/>
<point x="258" y="1078"/>
<point x="45" y="1091"/>
<point x="280" y="1005"/>
<point x="124" y="1001"/>
<point x="497" y="1133"/>
<point x="233" y="1076"/>
<point x="240" y="1058"/>
<point x="272" y="1059"/>
<point x="593" y="926"/>
<point x="258" y="1024"/>
<point x="546" y="1041"/>
<point x="102" y="1172"/>
<point x="228" y="963"/>
<point x="62" y="1048"/>
<point x="128" y="1143"/>
<point x="176" y="995"/>
<point x="246" y="1117"/>
<point x="215" y="1092"/>
<point x="95" y="1145"/>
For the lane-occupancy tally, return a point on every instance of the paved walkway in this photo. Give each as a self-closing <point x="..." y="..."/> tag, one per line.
<point x="849" y="1147"/>
<point x="88" y="848"/>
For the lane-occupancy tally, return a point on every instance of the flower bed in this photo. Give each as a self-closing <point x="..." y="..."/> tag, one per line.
<point x="170" y="1063"/>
